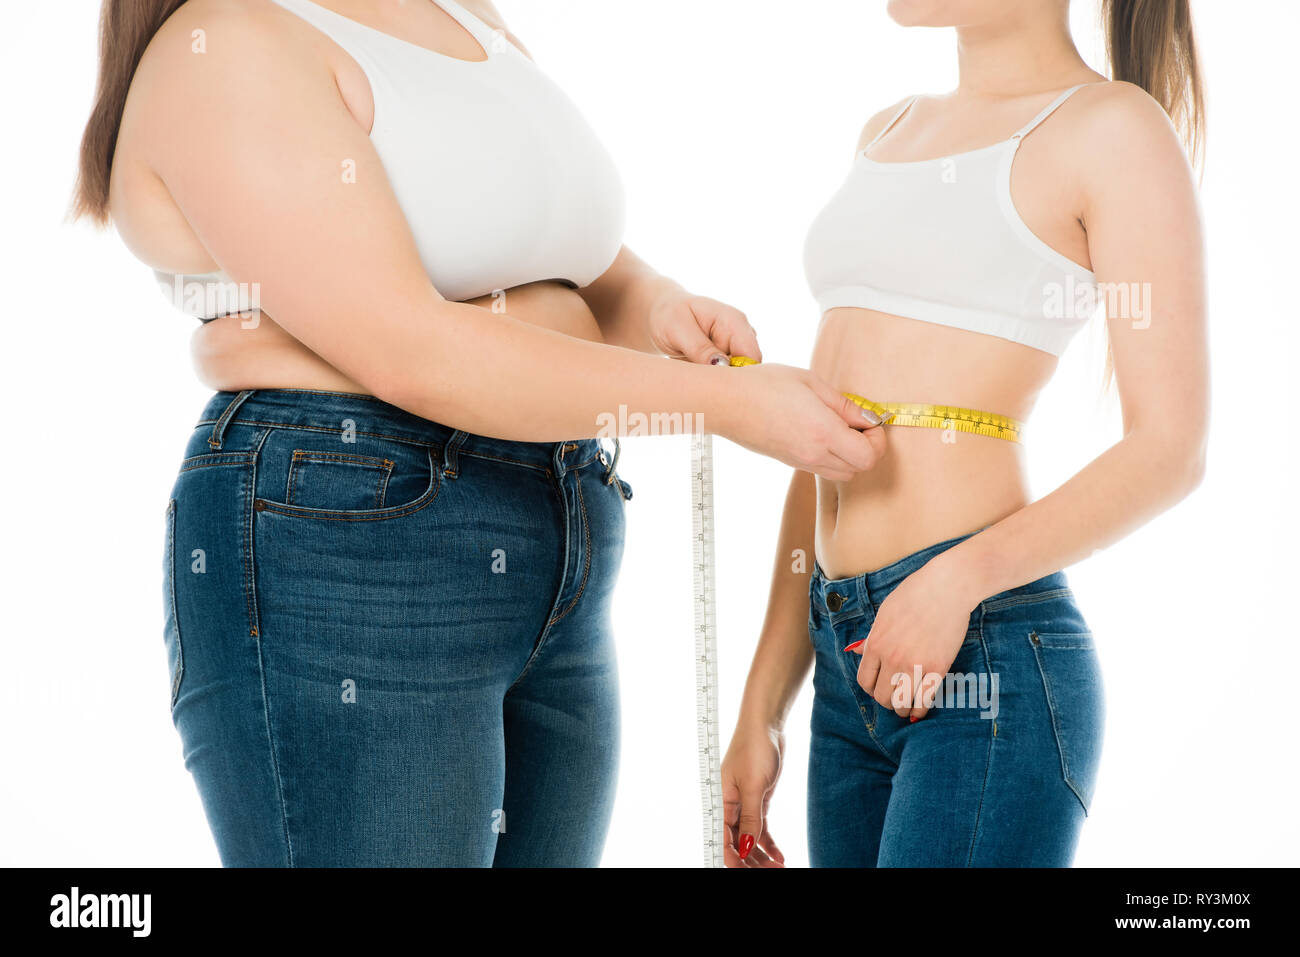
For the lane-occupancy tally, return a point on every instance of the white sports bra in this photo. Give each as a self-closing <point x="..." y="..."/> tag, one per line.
<point x="941" y="241"/>
<point x="502" y="181"/>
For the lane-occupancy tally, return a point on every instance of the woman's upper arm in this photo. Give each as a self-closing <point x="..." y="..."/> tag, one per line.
<point x="1146" y="243"/>
<point x="282" y="186"/>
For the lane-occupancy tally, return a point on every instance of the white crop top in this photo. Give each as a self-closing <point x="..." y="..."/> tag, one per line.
<point x="941" y="241"/>
<point x="501" y="179"/>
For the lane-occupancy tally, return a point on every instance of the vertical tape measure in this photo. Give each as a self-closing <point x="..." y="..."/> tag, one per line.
<point x="706" y="647"/>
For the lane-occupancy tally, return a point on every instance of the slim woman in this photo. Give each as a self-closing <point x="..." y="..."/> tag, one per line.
<point x="958" y="710"/>
<point x="393" y="538"/>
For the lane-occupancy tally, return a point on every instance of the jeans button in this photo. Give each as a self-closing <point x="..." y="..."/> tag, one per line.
<point x="834" y="601"/>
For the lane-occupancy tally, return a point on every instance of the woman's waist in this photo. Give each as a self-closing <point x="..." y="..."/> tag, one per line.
<point x="932" y="370"/>
<point x="923" y="490"/>
<point x="253" y="351"/>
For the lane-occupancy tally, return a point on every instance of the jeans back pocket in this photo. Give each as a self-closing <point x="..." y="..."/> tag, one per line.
<point x="1071" y="678"/>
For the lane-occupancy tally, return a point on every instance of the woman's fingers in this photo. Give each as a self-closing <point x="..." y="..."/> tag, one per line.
<point x="691" y="343"/>
<point x="731" y="818"/>
<point x="771" y="850"/>
<point x="737" y="334"/>
<point x="758" y="857"/>
<point x="750" y="823"/>
<point x="868" y="670"/>
<point x="926" y="695"/>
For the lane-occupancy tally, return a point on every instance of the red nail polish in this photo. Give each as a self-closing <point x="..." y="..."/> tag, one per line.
<point x="912" y="720"/>
<point x="856" y="645"/>
<point x="746" y="845"/>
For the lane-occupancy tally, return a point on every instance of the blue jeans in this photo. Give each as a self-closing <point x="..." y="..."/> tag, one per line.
<point x="999" y="774"/>
<point x="389" y="641"/>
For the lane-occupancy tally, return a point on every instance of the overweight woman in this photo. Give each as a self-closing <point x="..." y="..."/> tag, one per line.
<point x="958" y="710"/>
<point x="392" y="542"/>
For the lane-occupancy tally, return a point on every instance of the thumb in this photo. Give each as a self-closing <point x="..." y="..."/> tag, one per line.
<point x="751" y="819"/>
<point x="855" y="415"/>
<point x="694" y="346"/>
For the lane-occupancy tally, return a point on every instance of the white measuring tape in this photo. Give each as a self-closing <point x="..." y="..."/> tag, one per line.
<point x="706" y="648"/>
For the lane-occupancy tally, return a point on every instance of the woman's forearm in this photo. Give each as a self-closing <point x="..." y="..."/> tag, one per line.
<point x="1136" y="479"/>
<point x="623" y="299"/>
<point x="784" y="654"/>
<point x="494" y="375"/>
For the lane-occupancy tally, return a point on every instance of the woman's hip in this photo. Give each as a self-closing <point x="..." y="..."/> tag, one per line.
<point x="350" y="535"/>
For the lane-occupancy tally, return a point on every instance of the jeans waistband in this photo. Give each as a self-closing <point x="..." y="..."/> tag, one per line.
<point x="339" y="412"/>
<point x="869" y="589"/>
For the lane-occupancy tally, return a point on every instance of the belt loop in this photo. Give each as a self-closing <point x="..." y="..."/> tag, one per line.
<point x="609" y="474"/>
<point x="218" y="435"/>
<point x="864" y="596"/>
<point x="450" y="462"/>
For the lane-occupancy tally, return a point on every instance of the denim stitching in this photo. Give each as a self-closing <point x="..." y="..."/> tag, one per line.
<point x="853" y="684"/>
<point x="496" y="458"/>
<point x="1000" y="603"/>
<point x="564" y="577"/>
<point x="218" y="436"/>
<point x="988" y="757"/>
<point x="586" y="568"/>
<point x="250" y="570"/>
<point x="275" y="760"/>
<point x="409" y="440"/>
<point x="335" y="515"/>
<point x="175" y="618"/>
<point x="215" y="460"/>
<point x="1051" y="711"/>
<point x="385" y="467"/>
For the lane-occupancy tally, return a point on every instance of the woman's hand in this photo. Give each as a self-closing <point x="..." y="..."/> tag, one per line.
<point x="915" y="639"/>
<point x="791" y="415"/>
<point x="749" y="775"/>
<point x="700" y="329"/>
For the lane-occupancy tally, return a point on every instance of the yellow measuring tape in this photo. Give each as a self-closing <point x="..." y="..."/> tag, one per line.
<point x="921" y="416"/>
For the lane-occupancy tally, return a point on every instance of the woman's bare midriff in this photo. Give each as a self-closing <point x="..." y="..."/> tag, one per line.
<point x="233" y="353"/>
<point x="931" y="485"/>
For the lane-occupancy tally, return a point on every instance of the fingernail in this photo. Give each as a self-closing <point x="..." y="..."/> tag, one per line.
<point x="912" y="720"/>
<point x="889" y="418"/>
<point x="856" y="645"/>
<point x="871" y="417"/>
<point x="746" y="845"/>
<point x="719" y="360"/>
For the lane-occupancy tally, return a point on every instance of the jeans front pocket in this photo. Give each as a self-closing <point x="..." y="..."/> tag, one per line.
<point x="369" y="478"/>
<point x="337" y="480"/>
<point x="171" y="626"/>
<point x="1072" y="684"/>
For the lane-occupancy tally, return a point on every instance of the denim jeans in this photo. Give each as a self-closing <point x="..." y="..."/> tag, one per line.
<point x="999" y="774"/>
<point x="389" y="641"/>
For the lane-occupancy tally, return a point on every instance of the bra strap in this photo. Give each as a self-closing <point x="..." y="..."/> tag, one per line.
<point x="1048" y="111"/>
<point x="890" y="125"/>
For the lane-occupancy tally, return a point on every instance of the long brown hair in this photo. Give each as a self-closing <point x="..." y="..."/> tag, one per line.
<point x="125" y="29"/>
<point x="1150" y="43"/>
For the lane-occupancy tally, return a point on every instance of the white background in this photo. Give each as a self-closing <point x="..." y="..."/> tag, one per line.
<point x="732" y="123"/>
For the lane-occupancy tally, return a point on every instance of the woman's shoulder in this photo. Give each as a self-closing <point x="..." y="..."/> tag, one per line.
<point x="1119" y="125"/>
<point x="880" y="121"/>
<point x="204" y="39"/>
